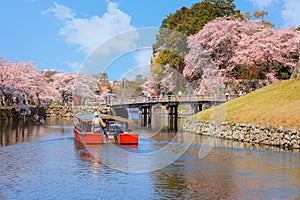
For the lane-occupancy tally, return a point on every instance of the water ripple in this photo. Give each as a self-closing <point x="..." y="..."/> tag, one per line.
<point x="56" y="167"/>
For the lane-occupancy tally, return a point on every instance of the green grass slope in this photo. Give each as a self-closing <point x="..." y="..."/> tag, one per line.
<point x="277" y="105"/>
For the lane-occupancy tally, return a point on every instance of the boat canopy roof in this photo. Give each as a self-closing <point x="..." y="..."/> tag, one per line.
<point x="89" y="118"/>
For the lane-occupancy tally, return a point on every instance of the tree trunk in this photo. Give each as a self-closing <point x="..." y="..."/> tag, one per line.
<point x="296" y="73"/>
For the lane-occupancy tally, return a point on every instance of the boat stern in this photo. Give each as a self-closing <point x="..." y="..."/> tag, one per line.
<point x="128" y="139"/>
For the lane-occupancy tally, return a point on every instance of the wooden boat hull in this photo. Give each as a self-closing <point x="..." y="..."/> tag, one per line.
<point x="88" y="138"/>
<point x="115" y="131"/>
<point x="92" y="138"/>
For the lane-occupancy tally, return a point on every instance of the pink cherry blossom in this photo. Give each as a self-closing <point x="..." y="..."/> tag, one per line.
<point x="232" y="44"/>
<point x="23" y="81"/>
<point x="64" y="83"/>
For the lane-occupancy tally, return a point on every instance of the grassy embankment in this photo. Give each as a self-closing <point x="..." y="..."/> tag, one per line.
<point x="277" y="105"/>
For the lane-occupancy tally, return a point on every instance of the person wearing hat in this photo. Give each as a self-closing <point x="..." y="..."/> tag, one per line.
<point x="97" y="123"/>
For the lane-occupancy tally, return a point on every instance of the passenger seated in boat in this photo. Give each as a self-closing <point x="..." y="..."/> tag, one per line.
<point x="97" y="124"/>
<point x="114" y="128"/>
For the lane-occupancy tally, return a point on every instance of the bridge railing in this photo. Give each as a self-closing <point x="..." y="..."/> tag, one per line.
<point x="171" y="98"/>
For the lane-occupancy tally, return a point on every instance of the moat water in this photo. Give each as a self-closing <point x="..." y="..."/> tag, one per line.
<point x="42" y="161"/>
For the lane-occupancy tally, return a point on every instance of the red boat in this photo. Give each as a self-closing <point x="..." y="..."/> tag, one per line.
<point x="116" y="130"/>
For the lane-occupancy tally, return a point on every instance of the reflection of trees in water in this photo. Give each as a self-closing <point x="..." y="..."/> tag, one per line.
<point x="161" y="122"/>
<point x="12" y="133"/>
<point x="209" y="176"/>
<point x="191" y="177"/>
<point x="16" y="132"/>
<point x="170" y="181"/>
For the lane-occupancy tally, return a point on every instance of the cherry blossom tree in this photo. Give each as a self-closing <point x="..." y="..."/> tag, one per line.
<point x="274" y="51"/>
<point x="217" y="41"/>
<point x="242" y="49"/>
<point x="85" y="86"/>
<point x="149" y="86"/>
<point x="173" y="80"/>
<point x="169" y="82"/>
<point x="163" y="79"/>
<point x="203" y="68"/>
<point x="22" y="81"/>
<point x="195" y="60"/>
<point x="212" y="82"/>
<point x="44" y="90"/>
<point x="37" y="87"/>
<point x="64" y="83"/>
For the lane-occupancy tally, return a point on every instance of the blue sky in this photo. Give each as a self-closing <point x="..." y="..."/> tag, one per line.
<point x="62" y="34"/>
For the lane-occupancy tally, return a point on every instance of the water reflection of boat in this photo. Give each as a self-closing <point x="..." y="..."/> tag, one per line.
<point x="116" y="130"/>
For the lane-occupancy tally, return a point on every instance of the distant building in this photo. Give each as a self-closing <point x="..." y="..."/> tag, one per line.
<point x="115" y="86"/>
<point x="49" y="73"/>
<point x="139" y="78"/>
<point x="103" y="82"/>
<point x="103" y="79"/>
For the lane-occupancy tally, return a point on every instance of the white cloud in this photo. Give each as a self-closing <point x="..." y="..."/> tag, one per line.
<point x="117" y="44"/>
<point x="88" y="33"/>
<point x="61" y="12"/>
<point x="290" y="13"/>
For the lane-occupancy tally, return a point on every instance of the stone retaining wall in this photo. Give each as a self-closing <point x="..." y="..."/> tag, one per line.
<point x="59" y="111"/>
<point x="53" y="111"/>
<point x="69" y="111"/>
<point x="259" y="134"/>
<point x="11" y="113"/>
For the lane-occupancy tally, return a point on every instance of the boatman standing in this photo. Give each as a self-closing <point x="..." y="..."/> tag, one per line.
<point x="97" y="123"/>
